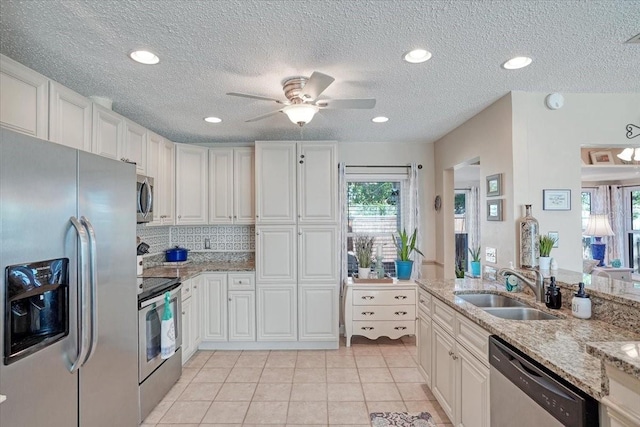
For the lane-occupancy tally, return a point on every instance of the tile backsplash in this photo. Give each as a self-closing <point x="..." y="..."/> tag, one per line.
<point x="236" y="238"/>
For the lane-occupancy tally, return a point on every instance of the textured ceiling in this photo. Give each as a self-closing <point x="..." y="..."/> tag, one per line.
<point x="208" y="48"/>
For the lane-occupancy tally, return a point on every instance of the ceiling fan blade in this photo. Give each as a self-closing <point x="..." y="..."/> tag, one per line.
<point x="264" y="116"/>
<point x="316" y="84"/>
<point x="247" y="95"/>
<point x="335" y="104"/>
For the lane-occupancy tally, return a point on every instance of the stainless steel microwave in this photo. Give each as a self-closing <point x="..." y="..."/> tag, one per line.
<point x="144" y="199"/>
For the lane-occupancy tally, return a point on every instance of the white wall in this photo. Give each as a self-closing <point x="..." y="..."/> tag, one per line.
<point x="546" y="155"/>
<point x="486" y="136"/>
<point x="384" y="153"/>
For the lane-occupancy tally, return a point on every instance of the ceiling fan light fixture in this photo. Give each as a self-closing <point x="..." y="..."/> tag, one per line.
<point x="144" y="57"/>
<point x="213" y="119"/>
<point x="380" y="119"/>
<point x="417" y="56"/>
<point x="517" y="62"/>
<point x="626" y="154"/>
<point x="300" y="114"/>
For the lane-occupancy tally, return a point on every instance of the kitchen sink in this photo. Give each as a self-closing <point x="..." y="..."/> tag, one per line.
<point x="490" y="300"/>
<point x="520" y="313"/>
<point x="505" y="307"/>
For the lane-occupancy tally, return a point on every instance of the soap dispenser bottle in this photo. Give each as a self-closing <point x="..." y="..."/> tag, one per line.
<point x="553" y="297"/>
<point x="581" y="303"/>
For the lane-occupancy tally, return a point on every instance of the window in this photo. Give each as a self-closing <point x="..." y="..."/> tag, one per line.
<point x="374" y="208"/>
<point x="587" y="205"/>
<point x="632" y="227"/>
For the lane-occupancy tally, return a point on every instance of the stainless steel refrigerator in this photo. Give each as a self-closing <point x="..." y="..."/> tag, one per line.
<point x="77" y="209"/>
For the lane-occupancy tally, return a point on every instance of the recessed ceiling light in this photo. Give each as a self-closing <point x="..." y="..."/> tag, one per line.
<point x="380" y="119"/>
<point x="144" y="57"/>
<point x="417" y="56"/>
<point x="212" y="119"/>
<point x="517" y="62"/>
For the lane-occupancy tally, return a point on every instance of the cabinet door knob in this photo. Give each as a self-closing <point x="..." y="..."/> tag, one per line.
<point x="450" y="353"/>
<point x="229" y="298"/>
<point x="301" y="161"/>
<point x="455" y="357"/>
<point x="183" y="313"/>
<point x="235" y="216"/>
<point x="229" y="216"/>
<point x="302" y="156"/>
<point x="179" y="216"/>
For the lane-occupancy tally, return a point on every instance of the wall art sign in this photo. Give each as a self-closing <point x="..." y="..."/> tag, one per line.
<point x="494" y="210"/>
<point x="632" y="131"/>
<point x="494" y="185"/>
<point x="556" y="200"/>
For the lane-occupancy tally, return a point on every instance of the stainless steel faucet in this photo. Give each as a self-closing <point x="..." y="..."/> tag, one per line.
<point x="537" y="287"/>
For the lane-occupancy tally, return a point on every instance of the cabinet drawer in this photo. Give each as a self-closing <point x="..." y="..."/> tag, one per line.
<point x="444" y="315"/>
<point x="384" y="297"/>
<point x="384" y="312"/>
<point x="473" y="337"/>
<point x="186" y="289"/>
<point x="242" y="282"/>
<point x="391" y="329"/>
<point x="424" y="302"/>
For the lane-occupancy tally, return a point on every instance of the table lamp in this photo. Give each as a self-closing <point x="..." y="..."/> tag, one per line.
<point x="598" y="227"/>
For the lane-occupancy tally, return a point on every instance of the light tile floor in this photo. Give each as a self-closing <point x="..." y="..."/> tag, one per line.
<point x="289" y="388"/>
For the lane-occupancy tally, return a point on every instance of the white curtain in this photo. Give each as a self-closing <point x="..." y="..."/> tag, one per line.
<point x="609" y="201"/>
<point x="412" y="218"/>
<point x="342" y="189"/>
<point x="472" y="218"/>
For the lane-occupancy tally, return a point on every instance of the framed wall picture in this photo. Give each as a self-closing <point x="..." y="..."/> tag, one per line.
<point x="494" y="185"/>
<point x="494" y="210"/>
<point x="556" y="200"/>
<point x="601" y="157"/>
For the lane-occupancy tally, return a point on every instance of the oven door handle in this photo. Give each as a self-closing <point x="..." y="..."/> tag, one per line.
<point x="93" y="286"/>
<point x="82" y="310"/>
<point x="160" y="298"/>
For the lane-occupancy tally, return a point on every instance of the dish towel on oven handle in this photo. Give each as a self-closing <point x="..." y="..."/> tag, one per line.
<point x="168" y="330"/>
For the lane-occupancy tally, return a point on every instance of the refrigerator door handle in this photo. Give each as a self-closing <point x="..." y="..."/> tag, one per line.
<point x="83" y="337"/>
<point x="93" y="286"/>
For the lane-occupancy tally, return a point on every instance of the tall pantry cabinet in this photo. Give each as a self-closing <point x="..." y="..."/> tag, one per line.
<point x="297" y="241"/>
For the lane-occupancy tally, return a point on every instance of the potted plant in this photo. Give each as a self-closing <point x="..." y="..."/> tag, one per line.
<point x="405" y="245"/>
<point x="546" y="244"/>
<point x="363" y="245"/>
<point x="459" y="269"/>
<point x="475" y="261"/>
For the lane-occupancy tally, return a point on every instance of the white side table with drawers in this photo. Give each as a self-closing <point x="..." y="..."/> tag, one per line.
<point x="375" y="310"/>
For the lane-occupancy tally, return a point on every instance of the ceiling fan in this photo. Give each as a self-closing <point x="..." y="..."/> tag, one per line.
<point x="302" y="99"/>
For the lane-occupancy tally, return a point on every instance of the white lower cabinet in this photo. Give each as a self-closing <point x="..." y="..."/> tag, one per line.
<point x="318" y="313"/>
<point x="620" y="408"/>
<point x="215" y="313"/>
<point x="242" y="315"/>
<point x="276" y="313"/>
<point x="453" y="357"/>
<point x="191" y="316"/>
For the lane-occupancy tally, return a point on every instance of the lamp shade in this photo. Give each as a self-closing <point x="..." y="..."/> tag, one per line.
<point x="300" y="114"/>
<point x="598" y="226"/>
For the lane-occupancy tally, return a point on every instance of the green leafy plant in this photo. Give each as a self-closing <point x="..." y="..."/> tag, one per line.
<point x="475" y="254"/>
<point x="363" y="245"/>
<point x="459" y="269"/>
<point x="546" y="244"/>
<point x="406" y="244"/>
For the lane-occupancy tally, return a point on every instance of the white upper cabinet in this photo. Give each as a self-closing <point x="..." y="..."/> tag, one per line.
<point x="69" y="117"/>
<point x="221" y="186"/>
<point x="160" y="166"/>
<point x="24" y="99"/>
<point x="108" y="133"/>
<point x="191" y="184"/>
<point x="244" y="195"/>
<point x="276" y="254"/>
<point x="276" y="182"/>
<point x="135" y="145"/>
<point x="318" y="183"/>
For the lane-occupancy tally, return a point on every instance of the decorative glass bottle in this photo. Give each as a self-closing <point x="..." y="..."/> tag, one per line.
<point x="529" y="243"/>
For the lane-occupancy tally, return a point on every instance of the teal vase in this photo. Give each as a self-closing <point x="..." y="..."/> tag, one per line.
<point x="475" y="268"/>
<point x="403" y="269"/>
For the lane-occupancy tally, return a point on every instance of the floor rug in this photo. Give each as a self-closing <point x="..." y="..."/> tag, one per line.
<point x="401" y="419"/>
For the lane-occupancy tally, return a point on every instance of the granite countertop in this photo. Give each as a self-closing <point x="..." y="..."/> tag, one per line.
<point x="192" y="269"/>
<point x="624" y="355"/>
<point x="559" y="345"/>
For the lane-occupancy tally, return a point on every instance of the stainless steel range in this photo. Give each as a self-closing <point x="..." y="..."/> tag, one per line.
<point x="156" y="375"/>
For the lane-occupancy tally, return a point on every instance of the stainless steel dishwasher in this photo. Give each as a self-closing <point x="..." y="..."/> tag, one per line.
<point x="526" y="394"/>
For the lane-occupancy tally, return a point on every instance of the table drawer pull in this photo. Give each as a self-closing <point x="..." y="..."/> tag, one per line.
<point x="367" y="328"/>
<point x="400" y="328"/>
<point x="368" y="313"/>
<point x="400" y="313"/>
<point x="400" y="297"/>
<point x="368" y="297"/>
